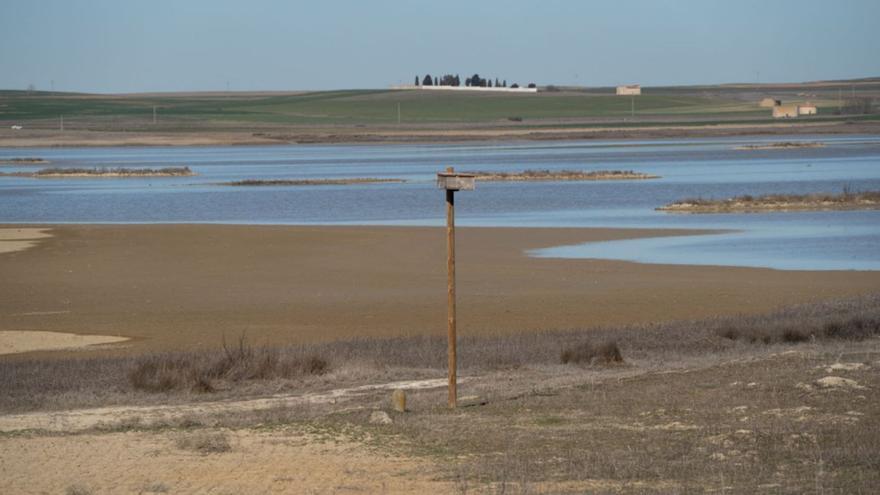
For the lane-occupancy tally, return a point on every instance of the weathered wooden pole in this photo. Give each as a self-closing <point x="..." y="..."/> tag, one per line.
<point x="450" y="296"/>
<point x="451" y="182"/>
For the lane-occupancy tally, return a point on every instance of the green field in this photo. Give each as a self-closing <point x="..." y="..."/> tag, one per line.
<point x="366" y="107"/>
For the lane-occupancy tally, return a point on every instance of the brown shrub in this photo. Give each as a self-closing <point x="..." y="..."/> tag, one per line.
<point x="855" y="328"/>
<point x="794" y="335"/>
<point x="586" y="353"/>
<point x="161" y="373"/>
<point x="241" y="362"/>
<point x="315" y="365"/>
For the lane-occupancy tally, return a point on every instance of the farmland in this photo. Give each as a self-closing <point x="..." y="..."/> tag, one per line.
<point x="380" y="115"/>
<point x="358" y="107"/>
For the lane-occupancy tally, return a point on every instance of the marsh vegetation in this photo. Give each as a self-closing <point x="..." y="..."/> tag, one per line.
<point x="310" y="182"/>
<point x="561" y="175"/>
<point x="781" y="145"/>
<point x="74" y="172"/>
<point x="846" y="200"/>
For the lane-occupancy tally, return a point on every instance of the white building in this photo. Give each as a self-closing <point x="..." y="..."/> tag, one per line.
<point x="629" y="89"/>
<point x="807" y="109"/>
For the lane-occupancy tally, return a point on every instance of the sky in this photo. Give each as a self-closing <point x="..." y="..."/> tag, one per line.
<point x="119" y="46"/>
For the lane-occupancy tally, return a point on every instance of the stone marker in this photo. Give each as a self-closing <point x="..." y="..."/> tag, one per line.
<point x="398" y="400"/>
<point x="380" y="418"/>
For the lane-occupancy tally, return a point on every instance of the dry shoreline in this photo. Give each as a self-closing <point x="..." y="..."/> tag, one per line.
<point x="187" y="286"/>
<point x="36" y="138"/>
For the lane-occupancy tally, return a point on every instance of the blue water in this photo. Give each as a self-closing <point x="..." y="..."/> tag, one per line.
<point x="708" y="168"/>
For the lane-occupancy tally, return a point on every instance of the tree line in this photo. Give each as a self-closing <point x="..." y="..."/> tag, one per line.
<point x="473" y="81"/>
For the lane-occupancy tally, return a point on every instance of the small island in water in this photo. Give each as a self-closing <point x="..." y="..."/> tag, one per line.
<point x="309" y="182"/>
<point x="23" y="161"/>
<point x="58" y="172"/>
<point x="778" y="202"/>
<point x="780" y="146"/>
<point x="561" y="175"/>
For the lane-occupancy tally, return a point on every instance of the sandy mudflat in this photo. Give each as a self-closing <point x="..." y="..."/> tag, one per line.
<point x="14" y="342"/>
<point x="184" y="286"/>
<point x="18" y="239"/>
<point x="15" y="234"/>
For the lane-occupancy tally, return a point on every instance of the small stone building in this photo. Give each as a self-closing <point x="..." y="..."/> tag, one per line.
<point x="785" y="111"/>
<point x="769" y="103"/>
<point x="629" y="90"/>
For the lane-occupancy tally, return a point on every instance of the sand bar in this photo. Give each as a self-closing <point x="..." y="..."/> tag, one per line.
<point x="186" y="286"/>
<point x="19" y="239"/>
<point x="14" y="342"/>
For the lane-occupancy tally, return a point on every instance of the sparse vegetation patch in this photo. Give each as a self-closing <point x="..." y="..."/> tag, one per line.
<point x="58" y="172"/>
<point x="588" y="353"/>
<point x="114" y="172"/>
<point x="852" y="328"/>
<point x="781" y="146"/>
<point x="205" y="442"/>
<point x="23" y="161"/>
<point x="310" y="182"/>
<point x="561" y="175"/>
<point x="32" y="384"/>
<point x="778" y="202"/>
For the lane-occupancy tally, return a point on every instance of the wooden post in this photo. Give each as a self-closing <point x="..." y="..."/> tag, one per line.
<point x="450" y="294"/>
<point x="451" y="182"/>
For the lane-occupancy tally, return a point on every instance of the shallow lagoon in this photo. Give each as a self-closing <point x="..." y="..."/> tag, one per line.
<point x="709" y="168"/>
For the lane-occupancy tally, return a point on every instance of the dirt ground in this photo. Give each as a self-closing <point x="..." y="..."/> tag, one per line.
<point x="277" y="460"/>
<point x="777" y="419"/>
<point x="187" y="286"/>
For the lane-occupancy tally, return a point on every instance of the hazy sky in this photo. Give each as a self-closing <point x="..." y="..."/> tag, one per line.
<point x="171" y="45"/>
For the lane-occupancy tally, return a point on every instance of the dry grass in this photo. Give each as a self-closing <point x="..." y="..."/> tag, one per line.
<point x="719" y="405"/>
<point x="155" y="488"/>
<point x="737" y="427"/>
<point x="205" y="442"/>
<point x="587" y="353"/>
<point x="778" y="202"/>
<point x="844" y="328"/>
<point x="309" y="182"/>
<point x="245" y="370"/>
<point x="200" y="372"/>
<point x="78" y="490"/>
<point x="561" y="175"/>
